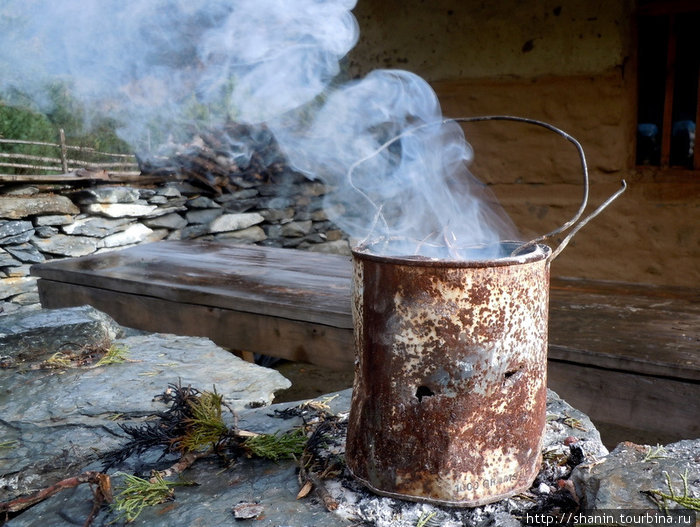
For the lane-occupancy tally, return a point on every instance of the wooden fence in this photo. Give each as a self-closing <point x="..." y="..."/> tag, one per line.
<point x="71" y="163"/>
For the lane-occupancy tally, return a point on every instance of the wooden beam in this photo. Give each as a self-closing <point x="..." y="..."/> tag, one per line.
<point x="667" y="124"/>
<point x="656" y="405"/>
<point x="318" y="344"/>
<point x="78" y="175"/>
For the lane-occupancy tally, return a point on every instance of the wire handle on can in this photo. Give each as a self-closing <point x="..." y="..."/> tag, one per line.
<point x="567" y="225"/>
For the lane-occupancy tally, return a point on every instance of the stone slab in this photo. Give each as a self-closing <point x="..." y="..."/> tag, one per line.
<point x="15" y="207"/>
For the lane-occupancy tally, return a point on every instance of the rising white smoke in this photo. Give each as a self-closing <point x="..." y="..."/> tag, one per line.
<point x="158" y="65"/>
<point x="167" y="61"/>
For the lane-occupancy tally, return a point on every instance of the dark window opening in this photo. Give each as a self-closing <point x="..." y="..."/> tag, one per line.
<point x="668" y="71"/>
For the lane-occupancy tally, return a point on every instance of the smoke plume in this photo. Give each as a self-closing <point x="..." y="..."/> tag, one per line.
<point x="160" y="66"/>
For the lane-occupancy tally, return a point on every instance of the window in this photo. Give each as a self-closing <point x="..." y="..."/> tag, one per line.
<point x="668" y="71"/>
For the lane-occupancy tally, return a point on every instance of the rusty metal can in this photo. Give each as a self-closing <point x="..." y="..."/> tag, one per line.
<point x="449" y="398"/>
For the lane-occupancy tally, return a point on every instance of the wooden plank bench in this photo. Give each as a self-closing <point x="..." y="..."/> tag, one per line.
<point x="623" y="353"/>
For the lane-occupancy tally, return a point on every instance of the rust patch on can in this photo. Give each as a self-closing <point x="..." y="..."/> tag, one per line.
<point x="449" y="398"/>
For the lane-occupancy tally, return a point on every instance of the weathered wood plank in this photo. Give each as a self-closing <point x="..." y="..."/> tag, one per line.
<point x="319" y="344"/>
<point x="292" y="284"/>
<point x="666" y="407"/>
<point x="630" y="327"/>
<point x="645" y="329"/>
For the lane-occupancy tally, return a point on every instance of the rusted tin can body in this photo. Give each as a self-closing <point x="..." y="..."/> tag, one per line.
<point x="449" y="397"/>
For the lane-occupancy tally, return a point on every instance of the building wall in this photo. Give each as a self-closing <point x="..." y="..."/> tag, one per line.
<point x="569" y="63"/>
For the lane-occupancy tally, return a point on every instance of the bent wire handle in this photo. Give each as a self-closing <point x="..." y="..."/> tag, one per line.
<point x="559" y="230"/>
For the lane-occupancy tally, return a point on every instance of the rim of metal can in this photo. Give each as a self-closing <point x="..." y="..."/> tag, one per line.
<point x="532" y="253"/>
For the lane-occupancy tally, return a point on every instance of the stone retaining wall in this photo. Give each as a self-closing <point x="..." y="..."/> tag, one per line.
<point x="60" y="222"/>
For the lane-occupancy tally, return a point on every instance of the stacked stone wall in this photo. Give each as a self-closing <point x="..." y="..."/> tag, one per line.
<point x="40" y="224"/>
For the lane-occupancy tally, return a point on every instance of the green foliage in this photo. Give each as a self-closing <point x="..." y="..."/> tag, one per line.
<point x="205" y="426"/>
<point x="25" y="125"/>
<point x="20" y="119"/>
<point x="57" y="360"/>
<point x="277" y="446"/>
<point x="138" y="493"/>
<point x="685" y="500"/>
<point x="654" y="453"/>
<point x="21" y="123"/>
<point x="116" y="354"/>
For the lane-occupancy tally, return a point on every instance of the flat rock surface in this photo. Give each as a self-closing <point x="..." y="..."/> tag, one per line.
<point x="270" y="489"/>
<point x="624" y="479"/>
<point x="55" y="421"/>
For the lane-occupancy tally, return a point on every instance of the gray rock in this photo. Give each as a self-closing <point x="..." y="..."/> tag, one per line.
<point x="163" y="210"/>
<point x="65" y="245"/>
<point x="194" y="231"/>
<point x="277" y="215"/>
<point x="105" y="194"/>
<point x="96" y="226"/>
<point x="622" y="479"/>
<point x="22" y="190"/>
<point x="243" y="194"/>
<point x="58" y="425"/>
<point x="19" y="270"/>
<point x="157" y="200"/>
<point x="169" y="191"/>
<point x="16" y="285"/>
<point x="319" y="215"/>
<point x="18" y="238"/>
<point x="38" y="335"/>
<point x="273" y="231"/>
<point x="291" y="242"/>
<point x="296" y="229"/>
<point x="28" y="298"/>
<point x="334" y="235"/>
<point x="302" y="215"/>
<point x="15" y="231"/>
<point x="333" y="247"/>
<point x="250" y="235"/>
<point x="275" y="190"/>
<point x="270" y="486"/>
<point x="168" y="221"/>
<point x="6" y="259"/>
<point x="185" y="188"/>
<point x="9" y="308"/>
<point x="241" y="205"/>
<point x="313" y="239"/>
<point x="135" y="233"/>
<point x="54" y="220"/>
<point x="312" y="188"/>
<point x="45" y="231"/>
<point x="201" y="202"/>
<point x="235" y="222"/>
<point x="26" y="252"/>
<point x="22" y="207"/>
<point x="244" y="183"/>
<point x="276" y="203"/>
<point x="121" y="210"/>
<point x="203" y="215"/>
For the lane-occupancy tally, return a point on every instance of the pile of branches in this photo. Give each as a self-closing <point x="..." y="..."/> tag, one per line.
<point x="193" y="428"/>
<point x="236" y="156"/>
